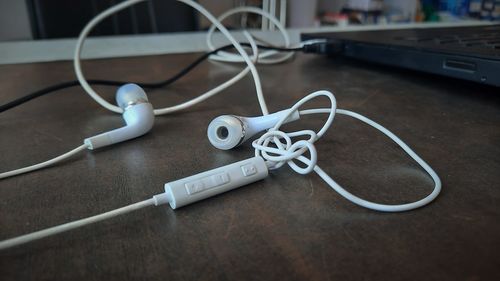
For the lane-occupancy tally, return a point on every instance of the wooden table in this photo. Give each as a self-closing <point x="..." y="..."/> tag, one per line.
<point x="286" y="227"/>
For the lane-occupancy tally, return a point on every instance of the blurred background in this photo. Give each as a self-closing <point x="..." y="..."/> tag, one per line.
<point x="50" y="19"/>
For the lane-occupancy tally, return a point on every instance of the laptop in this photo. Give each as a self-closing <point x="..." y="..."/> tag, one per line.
<point x="470" y="53"/>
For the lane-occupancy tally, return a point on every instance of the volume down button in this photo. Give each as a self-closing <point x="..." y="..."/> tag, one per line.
<point x="206" y="183"/>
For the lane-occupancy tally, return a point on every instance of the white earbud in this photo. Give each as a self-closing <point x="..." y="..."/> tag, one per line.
<point x="137" y="113"/>
<point x="228" y="131"/>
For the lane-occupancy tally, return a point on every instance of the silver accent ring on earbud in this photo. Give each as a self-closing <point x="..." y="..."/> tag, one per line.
<point x="135" y="102"/>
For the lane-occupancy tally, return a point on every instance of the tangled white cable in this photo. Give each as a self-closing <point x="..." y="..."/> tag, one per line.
<point x="263" y="57"/>
<point x="249" y="59"/>
<point x="286" y="151"/>
<point x="216" y="23"/>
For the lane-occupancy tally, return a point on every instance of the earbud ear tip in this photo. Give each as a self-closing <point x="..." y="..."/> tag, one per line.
<point x="225" y="132"/>
<point x="130" y="93"/>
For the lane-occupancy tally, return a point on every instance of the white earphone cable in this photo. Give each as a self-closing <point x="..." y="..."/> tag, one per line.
<point x="210" y="17"/>
<point x="74" y="224"/>
<point x="43" y="164"/>
<point x="114" y="108"/>
<point x="287" y="152"/>
<point x="263" y="57"/>
<point x="238" y="47"/>
<point x="284" y="150"/>
<point x="217" y="89"/>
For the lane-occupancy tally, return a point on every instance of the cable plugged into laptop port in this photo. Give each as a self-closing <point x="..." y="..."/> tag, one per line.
<point x="322" y="46"/>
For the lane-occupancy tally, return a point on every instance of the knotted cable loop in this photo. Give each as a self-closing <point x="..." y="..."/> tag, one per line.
<point x="287" y="151"/>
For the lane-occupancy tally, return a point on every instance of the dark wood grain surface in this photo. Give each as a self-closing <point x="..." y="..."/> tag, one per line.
<point x="286" y="227"/>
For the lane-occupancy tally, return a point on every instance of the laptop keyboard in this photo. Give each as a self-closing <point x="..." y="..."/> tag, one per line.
<point x="490" y="40"/>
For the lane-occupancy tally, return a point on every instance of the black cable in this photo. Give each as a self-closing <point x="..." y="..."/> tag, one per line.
<point x="73" y="83"/>
<point x="153" y="85"/>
